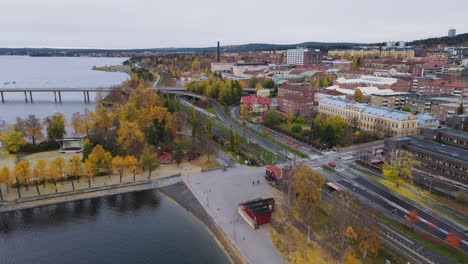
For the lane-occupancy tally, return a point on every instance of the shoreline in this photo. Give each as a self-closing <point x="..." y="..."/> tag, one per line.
<point x="172" y="187"/>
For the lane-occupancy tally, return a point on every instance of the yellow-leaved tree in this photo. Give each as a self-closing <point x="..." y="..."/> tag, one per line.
<point x="75" y="169"/>
<point x="118" y="164"/>
<point x="12" y="140"/>
<point x="132" y="165"/>
<point x="131" y="138"/>
<point x="400" y="167"/>
<point x="5" y="177"/>
<point x="22" y="173"/>
<point x="307" y="184"/>
<point x="40" y="173"/>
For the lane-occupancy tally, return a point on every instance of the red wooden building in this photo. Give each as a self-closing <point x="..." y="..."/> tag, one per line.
<point x="273" y="173"/>
<point x="259" y="210"/>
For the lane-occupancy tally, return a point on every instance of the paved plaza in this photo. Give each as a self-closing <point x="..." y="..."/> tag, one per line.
<point x="220" y="193"/>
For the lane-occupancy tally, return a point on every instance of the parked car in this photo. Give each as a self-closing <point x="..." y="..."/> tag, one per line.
<point x="332" y="164"/>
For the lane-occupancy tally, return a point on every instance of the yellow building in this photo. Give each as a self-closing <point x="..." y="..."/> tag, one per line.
<point x="354" y="53"/>
<point x="373" y="53"/>
<point x="383" y="120"/>
<point x="398" y="54"/>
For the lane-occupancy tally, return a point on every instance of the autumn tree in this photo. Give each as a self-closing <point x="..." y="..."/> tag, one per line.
<point x="79" y="124"/>
<point x="87" y="148"/>
<point x="368" y="229"/>
<point x="31" y="127"/>
<point x="148" y="160"/>
<point x="268" y="83"/>
<point x="40" y="173"/>
<point x="358" y="96"/>
<point x="195" y="65"/>
<point x="131" y="138"/>
<point x="132" y="165"/>
<point x="5" y="177"/>
<point x="75" y="169"/>
<point x="55" y="126"/>
<point x="400" y="168"/>
<point x="453" y="239"/>
<point x="101" y="159"/>
<point x="307" y="184"/>
<point x="58" y="166"/>
<point x="22" y="173"/>
<point x="91" y="167"/>
<point x="289" y="116"/>
<point x="12" y="140"/>
<point x="253" y="82"/>
<point x="258" y="86"/>
<point x="244" y="110"/>
<point x="118" y="164"/>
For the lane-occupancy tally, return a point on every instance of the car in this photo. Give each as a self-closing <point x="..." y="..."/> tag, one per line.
<point x="332" y="164"/>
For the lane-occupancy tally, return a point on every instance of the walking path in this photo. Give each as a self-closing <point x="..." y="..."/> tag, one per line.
<point x="220" y="193"/>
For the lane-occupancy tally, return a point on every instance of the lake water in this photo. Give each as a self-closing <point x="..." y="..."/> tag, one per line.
<point x="131" y="228"/>
<point x="52" y="72"/>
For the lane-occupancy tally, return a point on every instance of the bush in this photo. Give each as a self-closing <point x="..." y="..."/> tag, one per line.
<point x="42" y="146"/>
<point x="296" y="129"/>
<point x="300" y="120"/>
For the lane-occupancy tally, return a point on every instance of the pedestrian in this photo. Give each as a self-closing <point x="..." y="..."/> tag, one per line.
<point x="258" y="181"/>
<point x="253" y="182"/>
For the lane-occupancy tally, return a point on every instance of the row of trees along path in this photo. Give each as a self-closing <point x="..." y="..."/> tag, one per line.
<point x="49" y="175"/>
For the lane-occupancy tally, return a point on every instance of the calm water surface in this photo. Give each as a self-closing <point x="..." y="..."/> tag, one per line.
<point x="131" y="228"/>
<point x="52" y="72"/>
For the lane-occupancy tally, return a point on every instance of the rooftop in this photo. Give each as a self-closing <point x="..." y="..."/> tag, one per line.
<point x="366" y="108"/>
<point x="442" y="150"/>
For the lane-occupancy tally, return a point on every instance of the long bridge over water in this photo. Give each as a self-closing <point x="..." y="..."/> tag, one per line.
<point x="28" y="92"/>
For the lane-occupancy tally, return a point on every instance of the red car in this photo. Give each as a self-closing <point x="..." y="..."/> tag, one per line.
<point x="332" y="164"/>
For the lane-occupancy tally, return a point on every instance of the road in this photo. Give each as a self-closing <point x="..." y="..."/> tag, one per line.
<point x="356" y="182"/>
<point x="220" y="112"/>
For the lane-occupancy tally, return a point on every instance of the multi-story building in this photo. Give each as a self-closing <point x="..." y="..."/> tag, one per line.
<point x="355" y="53"/>
<point x="428" y="86"/>
<point x="373" y="53"/>
<point x="447" y="136"/>
<point x="239" y="68"/>
<point x="304" y="57"/>
<point x="297" y="98"/>
<point x="458" y="122"/>
<point x="395" y="100"/>
<point x="256" y="103"/>
<point x="383" y="120"/>
<point x="397" y="53"/>
<point x="452" y="32"/>
<point x="394" y="84"/>
<point x="222" y="67"/>
<point x="434" y="158"/>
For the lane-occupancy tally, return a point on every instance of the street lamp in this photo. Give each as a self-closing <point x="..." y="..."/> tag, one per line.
<point x="430" y="184"/>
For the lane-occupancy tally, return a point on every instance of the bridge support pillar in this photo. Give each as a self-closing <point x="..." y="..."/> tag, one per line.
<point x="84" y="95"/>
<point x="3" y="99"/>
<point x="30" y="96"/>
<point x="55" y="96"/>
<point x="25" y="96"/>
<point x="60" y="97"/>
<point x="87" y="95"/>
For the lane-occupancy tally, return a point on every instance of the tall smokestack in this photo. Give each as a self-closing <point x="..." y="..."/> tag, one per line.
<point x="219" y="53"/>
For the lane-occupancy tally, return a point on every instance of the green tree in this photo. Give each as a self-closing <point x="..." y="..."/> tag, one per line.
<point x="178" y="153"/>
<point x="318" y="126"/>
<point x="268" y="83"/>
<point x="334" y="129"/>
<point x="461" y="109"/>
<point x="358" y="96"/>
<point x="148" y="160"/>
<point x="12" y="140"/>
<point x="55" y="126"/>
<point x="87" y="148"/>
<point x="253" y="82"/>
<point x="272" y="118"/>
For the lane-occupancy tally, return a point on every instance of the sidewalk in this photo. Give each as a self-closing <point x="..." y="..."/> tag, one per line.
<point x="220" y="193"/>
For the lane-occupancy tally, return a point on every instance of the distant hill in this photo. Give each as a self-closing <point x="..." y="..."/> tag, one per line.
<point x="232" y="48"/>
<point x="460" y="39"/>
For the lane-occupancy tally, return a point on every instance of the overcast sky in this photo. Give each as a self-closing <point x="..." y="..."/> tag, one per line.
<point x="200" y="23"/>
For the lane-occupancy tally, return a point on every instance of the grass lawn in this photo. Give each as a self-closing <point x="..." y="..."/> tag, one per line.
<point x="435" y="244"/>
<point x="204" y="163"/>
<point x="288" y="127"/>
<point x="211" y="110"/>
<point x="411" y="194"/>
<point x="327" y="168"/>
